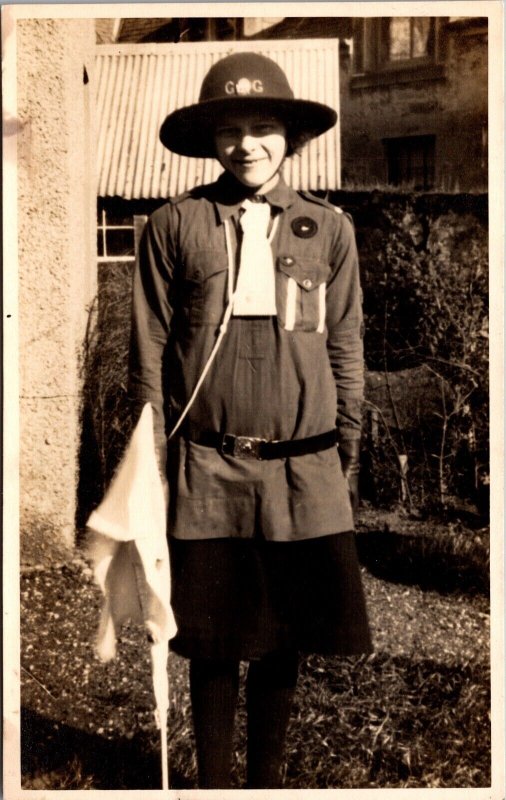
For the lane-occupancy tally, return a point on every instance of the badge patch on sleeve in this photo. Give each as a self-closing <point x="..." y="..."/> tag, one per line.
<point x="304" y="227"/>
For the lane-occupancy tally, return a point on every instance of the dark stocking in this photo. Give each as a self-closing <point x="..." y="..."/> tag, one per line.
<point x="270" y="688"/>
<point x="213" y="690"/>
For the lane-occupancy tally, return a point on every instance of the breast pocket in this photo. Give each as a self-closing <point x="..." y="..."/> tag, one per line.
<point x="205" y="286"/>
<point x="300" y="293"/>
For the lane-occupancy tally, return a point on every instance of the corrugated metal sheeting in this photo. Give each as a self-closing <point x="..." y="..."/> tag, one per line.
<point x="139" y="84"/>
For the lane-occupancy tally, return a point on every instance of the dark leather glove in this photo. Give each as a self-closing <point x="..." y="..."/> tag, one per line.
<point x="349" y="453"/>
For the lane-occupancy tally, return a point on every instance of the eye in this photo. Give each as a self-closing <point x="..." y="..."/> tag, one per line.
<point x="226" y="131"/>
<point x="263" y="128"/>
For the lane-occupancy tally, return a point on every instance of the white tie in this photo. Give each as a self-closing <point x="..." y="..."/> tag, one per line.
<point x="255" y="293"/>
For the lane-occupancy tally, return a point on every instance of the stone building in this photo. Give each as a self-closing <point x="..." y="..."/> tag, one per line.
<point x="414" y="104"/>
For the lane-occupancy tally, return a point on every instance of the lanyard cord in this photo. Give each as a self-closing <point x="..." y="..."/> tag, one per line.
<point x="222" y="329"/>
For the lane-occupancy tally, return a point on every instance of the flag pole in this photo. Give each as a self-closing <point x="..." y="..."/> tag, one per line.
<point x="159" y="653"/>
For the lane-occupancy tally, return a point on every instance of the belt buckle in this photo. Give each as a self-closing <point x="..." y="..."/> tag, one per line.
<point x="242" y="446"/>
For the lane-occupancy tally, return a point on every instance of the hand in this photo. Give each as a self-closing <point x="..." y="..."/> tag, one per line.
<point x="349" y="453"/>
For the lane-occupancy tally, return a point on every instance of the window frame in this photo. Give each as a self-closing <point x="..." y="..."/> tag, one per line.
<point x="103" y="227"/>
<point x="386" y="62"/>
<point x="372" y="66"/>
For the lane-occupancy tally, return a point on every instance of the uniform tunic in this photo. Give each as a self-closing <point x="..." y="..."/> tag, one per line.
<point x="290" y="376"/>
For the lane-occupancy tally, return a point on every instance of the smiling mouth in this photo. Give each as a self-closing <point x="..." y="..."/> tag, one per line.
<point x="244" y="163"/>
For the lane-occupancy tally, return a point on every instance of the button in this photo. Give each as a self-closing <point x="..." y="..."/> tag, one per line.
<point x="307" y="283"/>
<point x="288" y="261"/>
<point x="198" y="273"/>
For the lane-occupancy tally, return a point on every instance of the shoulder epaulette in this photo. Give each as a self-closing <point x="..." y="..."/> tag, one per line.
<point x="180" y="197"/>
<point x="197" y="192"/>
<point x="326" y="203"/>
<point x="321" y="201"/>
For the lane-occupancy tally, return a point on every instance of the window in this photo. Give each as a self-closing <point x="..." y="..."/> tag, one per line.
<point x="409" y="38"/>
<point x="115" y="237"/>
<point x="397" y="49"/>
<point x="411" y="161"/>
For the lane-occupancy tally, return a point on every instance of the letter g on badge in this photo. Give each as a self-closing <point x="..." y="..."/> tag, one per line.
<point x="244" y="86"/>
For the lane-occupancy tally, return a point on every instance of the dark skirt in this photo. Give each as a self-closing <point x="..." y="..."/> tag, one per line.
<point x="244" y="598"/>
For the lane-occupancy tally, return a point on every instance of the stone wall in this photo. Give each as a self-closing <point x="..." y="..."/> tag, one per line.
<point x="453" y="108"/>
<point x="57" y="268"/>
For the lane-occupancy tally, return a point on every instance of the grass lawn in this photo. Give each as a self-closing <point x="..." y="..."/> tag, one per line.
<point x="414" y="714"/>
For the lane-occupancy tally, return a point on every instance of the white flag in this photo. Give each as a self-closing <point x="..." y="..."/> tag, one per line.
<point x="129" y="551"/>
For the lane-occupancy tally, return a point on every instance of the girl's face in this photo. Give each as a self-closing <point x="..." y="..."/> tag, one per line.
<point x="252" y="147"/>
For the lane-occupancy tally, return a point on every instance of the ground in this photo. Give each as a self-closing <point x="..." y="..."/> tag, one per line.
<point x="416" y="713"/>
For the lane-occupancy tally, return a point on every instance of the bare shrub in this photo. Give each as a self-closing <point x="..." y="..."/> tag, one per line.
<point x="430" y="308"/>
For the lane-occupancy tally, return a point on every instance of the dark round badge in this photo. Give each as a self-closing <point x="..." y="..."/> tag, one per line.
<point x="304" y="227"/>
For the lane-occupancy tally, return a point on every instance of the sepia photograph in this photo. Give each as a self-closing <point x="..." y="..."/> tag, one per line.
<point x="253" y="399"/>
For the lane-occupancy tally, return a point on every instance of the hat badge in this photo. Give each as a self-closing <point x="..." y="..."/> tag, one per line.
<point x="244" y="86"/>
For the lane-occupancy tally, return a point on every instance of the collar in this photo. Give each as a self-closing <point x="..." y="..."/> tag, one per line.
<point x="230" y="193"/>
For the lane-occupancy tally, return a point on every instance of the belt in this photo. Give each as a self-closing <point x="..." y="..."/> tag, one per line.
<point x="263" y="449"/>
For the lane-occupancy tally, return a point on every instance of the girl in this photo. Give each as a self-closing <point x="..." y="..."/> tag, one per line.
<point x="247" y="342"/>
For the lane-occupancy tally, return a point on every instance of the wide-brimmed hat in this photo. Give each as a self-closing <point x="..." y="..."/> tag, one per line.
<point x="241" y="82"/>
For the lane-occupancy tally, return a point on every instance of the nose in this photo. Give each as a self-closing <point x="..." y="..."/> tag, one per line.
<point x="247" y="142"/>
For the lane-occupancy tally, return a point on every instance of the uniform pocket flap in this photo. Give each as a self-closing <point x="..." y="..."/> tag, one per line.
<point x="202" y="264"/>
<point x="308" y="273"/>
